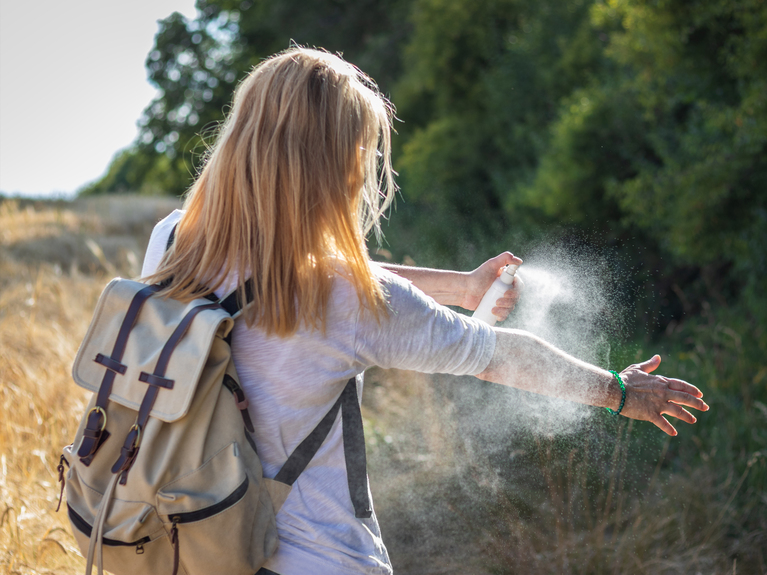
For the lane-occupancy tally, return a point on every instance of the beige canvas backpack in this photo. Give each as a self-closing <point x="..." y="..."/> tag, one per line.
<point x="163" y="474"/>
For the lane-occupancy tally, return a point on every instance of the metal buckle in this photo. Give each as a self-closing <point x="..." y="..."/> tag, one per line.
<point x="99" y="409"/>
<point x="137" y="441"/>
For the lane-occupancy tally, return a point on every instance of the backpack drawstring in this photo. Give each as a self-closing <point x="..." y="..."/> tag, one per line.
<point x="97" y="534"/>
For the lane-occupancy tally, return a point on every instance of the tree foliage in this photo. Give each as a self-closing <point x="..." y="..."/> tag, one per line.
<point x="673" y="140"/>
<point x="483" y="80"/>
<point x="677" y="135"/>
<point x="606" y="119"/>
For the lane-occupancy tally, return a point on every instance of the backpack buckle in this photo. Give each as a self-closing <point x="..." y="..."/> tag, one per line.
<point x="102" y="411"/>
<point x="94" y="434"/>
<point x="137" y="441"/>
<point x="128" y="453"/>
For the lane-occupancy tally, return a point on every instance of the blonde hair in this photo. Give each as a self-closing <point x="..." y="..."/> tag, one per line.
<point x="299" y="175"/>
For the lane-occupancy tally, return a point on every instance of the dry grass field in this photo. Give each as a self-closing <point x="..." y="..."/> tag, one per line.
<point x="55" y="258"/>
<point x="447" y="503"/>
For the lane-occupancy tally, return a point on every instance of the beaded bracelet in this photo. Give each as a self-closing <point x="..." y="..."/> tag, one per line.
<point x="623" y="394"/>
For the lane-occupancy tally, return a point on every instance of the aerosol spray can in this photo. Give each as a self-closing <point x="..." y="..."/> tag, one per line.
<point x="496" y="291"/>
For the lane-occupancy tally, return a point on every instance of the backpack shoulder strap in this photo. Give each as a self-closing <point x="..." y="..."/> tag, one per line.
<point x="354" y="449"/>
<point x="171" y="237"/>
<point x="232" y="303"/>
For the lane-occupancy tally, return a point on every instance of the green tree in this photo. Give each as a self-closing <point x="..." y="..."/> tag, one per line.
<point x="673" y="141"/>
<point x="482" y="81"/>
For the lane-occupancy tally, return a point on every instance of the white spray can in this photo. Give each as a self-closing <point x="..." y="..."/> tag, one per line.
<point x="500" y="286"/>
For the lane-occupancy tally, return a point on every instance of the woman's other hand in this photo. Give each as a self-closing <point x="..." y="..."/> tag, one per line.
<point x="480" y="280"/>
<point x="649" y="397"/>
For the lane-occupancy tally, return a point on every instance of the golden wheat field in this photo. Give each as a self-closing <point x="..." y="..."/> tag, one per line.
<point x="448" y="501"/>
<point x="55" y="257"/>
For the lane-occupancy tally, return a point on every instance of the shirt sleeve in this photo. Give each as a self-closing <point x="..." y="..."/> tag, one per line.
<point x="421" y="335"/>
<point x="157" y="242"/>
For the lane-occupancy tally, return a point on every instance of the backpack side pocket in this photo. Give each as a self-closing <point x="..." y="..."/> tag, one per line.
<point x="134" y="533"/>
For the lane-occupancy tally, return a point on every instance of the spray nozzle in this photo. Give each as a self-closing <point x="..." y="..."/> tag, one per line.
<point x="507" y="275"/>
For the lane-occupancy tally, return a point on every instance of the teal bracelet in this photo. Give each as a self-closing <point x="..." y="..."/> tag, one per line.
<point x="623" y="394"/>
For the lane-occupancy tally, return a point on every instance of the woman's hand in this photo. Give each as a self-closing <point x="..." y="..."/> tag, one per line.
<point x="649" y="397"/>
<point x="480" y="280"/>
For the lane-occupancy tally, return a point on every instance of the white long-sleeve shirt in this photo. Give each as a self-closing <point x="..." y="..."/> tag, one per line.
<point x="291" y="383"/>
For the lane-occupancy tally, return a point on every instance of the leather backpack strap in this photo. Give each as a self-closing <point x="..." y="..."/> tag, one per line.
<point x="95" y="432"/>
<point x="354" y="449"/>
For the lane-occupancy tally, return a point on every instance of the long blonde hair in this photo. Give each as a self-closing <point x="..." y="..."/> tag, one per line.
<point x="299" y="175"/>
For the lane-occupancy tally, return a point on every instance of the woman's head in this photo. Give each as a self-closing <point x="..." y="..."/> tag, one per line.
<point x="306" y="125"/>
<point x="299" y="174"/>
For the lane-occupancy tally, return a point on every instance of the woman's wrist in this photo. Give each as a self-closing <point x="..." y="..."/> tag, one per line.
<point x="613" y="393"/>
<point x="623" y="394"/>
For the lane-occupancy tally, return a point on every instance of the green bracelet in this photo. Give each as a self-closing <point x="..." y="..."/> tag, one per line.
<point x="623" y="394"/>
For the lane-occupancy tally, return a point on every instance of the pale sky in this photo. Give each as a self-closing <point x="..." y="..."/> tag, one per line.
<point x="72" y="86"/>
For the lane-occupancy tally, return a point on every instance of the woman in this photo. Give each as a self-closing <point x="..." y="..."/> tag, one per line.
<point x="299" y="175"/>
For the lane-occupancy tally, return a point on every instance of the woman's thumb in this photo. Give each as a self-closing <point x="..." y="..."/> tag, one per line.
<point x="651" y="364"/>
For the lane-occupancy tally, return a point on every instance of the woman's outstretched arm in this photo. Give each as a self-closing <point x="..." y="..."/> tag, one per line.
<point x="464" y="289"/>
<point x="525" y="361"/>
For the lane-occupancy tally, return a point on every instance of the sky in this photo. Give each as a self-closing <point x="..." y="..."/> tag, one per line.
<point x="72" y="87"/>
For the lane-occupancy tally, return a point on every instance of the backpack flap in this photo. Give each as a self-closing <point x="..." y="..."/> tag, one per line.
<point x="168" y="345"/>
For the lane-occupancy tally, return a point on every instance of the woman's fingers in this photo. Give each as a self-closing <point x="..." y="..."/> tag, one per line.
<point x="683" y="393"/>
<point x="495" y="265"/>
<point x="506" y="258"/>
<point x="501" y="312"/>
<point x="679" y="412"/>
<point x="504" y="305"/>
<point x="480" y="280"/>
<point x="679" y="385"/>
<point x="681" y="398"/>
<point x="509" y="299"/>
<point x="663" y="424"/>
